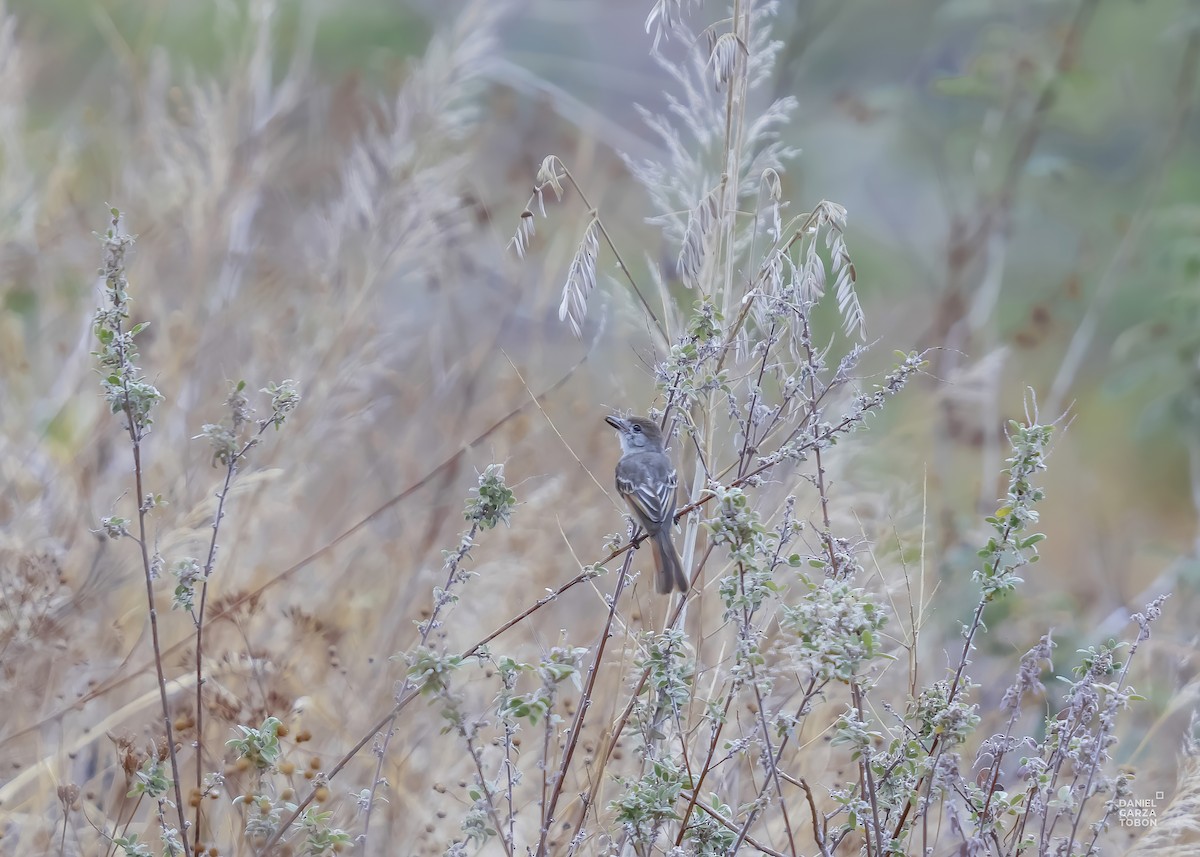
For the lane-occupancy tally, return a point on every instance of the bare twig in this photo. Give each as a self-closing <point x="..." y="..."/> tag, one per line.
<point x="585" y="702"/>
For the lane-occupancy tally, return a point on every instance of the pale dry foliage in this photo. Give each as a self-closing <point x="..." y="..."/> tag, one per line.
<point x="1176" y="828"/>
<point x="284" y="229"/>
<point x="290" y="229"/>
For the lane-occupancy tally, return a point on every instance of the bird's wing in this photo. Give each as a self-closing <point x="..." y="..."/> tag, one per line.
<point x="650" y="490"/>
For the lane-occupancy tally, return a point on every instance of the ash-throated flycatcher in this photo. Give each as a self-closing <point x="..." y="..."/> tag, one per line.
<point x="646" y="481"/>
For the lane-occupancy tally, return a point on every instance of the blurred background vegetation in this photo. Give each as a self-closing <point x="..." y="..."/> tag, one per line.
<point x="325" y="190"/>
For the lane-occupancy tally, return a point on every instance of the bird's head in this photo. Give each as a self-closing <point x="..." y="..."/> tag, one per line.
<point x="636" y="433"/>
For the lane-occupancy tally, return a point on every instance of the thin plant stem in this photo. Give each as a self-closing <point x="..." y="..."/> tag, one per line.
<point x="427" y="627"/>
<point x="585" y="703"/>
<point x="209" y="565"/>
<point x="658" y="325"/>
<point x="135" y="437"/>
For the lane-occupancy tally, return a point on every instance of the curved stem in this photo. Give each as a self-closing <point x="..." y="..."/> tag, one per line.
<point x="658" y="325"/>
<point x="585" y="702"/>
<point x="134" y="435"/>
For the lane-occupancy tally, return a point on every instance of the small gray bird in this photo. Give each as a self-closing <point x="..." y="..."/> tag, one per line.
<point x="646" y="481"/>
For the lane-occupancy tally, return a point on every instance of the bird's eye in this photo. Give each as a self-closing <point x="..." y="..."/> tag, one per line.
<point x="637" y="428"/>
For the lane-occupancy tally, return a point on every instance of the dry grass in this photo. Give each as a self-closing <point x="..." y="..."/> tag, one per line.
<point x="291" y="229"/>
<point x="355" y="262"/>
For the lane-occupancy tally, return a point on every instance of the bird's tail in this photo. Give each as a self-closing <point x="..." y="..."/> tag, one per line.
<point x="666" y="564"/>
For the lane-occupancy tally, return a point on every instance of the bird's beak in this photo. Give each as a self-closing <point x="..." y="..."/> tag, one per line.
<point x="617" y="423"/>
